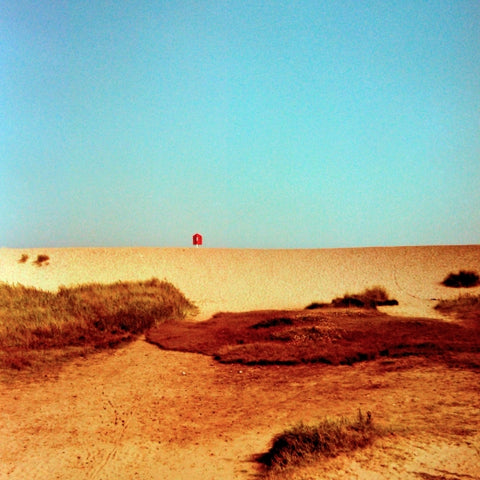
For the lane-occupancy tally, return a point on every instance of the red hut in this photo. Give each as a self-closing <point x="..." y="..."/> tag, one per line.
<point x="197" y="239"/>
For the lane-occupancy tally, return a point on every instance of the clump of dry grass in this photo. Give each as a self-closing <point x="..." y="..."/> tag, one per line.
<point x="369" y="298"/>
<point x="93" y="315"/>
<point x="41" y="260"/>
<point x="23" y="258"/>
<point x="303" y="443"/>
<point x="464" y="278"/>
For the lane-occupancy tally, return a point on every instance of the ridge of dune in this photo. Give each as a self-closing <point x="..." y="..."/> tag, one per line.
<point x="247" y="279"/>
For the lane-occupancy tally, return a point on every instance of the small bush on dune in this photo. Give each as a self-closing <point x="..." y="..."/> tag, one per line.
<point x="23" y="258"/>
<point x="463" y="278"/>
<point x="329" y="438"/>
<point x="41" y="259"/>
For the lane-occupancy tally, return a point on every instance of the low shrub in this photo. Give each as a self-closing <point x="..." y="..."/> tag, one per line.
<point x="302" y="443"/>
<point x="41" y="259"/>
<point x="23" y="258"/>
<point x="463" y="278"/>
<point x="369" y="298"/>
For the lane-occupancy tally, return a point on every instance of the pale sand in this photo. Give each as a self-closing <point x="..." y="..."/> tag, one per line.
<point x="248" y="279"/>
<point x="141" y="412"/>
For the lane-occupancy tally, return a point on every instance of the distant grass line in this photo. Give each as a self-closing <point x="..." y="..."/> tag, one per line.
<point x="91" y="315"/>
<point x="306" y="443"/>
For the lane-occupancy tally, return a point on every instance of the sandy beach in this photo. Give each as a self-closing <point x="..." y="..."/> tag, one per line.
<point x="141" y="412"/>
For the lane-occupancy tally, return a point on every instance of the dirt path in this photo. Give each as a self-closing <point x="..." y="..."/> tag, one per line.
<point x="140" y="412"/>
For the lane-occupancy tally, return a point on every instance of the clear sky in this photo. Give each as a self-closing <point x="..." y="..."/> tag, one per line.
<point x="260" y="124"/>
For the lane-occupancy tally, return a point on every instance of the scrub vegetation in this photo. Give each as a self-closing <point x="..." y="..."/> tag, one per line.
<point x="466" y="307"/>
<point x="462" y="279"/>
<point x="331" y="336"/>
<point x="329" y="438"/>
<point x="370" y="298"/>
<point x="41" y="260"/>
<point x="81" y="318"/>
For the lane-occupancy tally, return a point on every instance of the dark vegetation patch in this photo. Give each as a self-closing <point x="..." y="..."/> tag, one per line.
<point x="369" y="298"/>
<point x="273" y="322"/>
<point x="462" y="279"/>
<point x="23" y="258"/>
<point x="331" y="437"/>
<point x="331" y="336"/>
<point x="41" y="260"/>
<point x="82" y="318"/>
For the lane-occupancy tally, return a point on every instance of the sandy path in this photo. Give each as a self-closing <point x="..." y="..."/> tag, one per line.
<point x="132" y="413"/>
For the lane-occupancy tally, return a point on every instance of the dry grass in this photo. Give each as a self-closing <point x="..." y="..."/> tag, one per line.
<point x="87" y="316"/>
<point x="466" y="307"/>
<point x="41" y="260"/>
<point x="462" y="279"/>
<point x="303" y="443"/>
<point x="369" y="298"/>
<point x="23" y="258"/>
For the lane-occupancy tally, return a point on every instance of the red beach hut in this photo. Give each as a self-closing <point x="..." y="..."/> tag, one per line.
<point x="197" y="239"/>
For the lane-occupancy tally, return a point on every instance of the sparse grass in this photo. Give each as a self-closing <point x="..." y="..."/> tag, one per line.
<point x="369" y="298"/>
<point x="462" y="279"/>
<point x="303" y="443"/>
<point x="87" y="316"/>
<point x="464" y="306"/>
<point x="41" y="260"/>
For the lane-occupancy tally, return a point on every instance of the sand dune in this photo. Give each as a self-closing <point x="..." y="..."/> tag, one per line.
<point x="247" y="279"/>
<point x="142" y="412"/>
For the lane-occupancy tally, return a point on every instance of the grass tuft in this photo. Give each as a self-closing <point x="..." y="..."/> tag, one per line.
<point x="463" y="278"/>
<point x="303" y="443"/>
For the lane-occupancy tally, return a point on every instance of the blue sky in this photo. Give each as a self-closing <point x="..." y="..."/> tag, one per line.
<point x="260" y="124"/>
